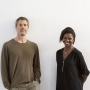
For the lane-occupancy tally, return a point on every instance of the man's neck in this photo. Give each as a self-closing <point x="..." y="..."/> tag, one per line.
<point x="20" y="39"/>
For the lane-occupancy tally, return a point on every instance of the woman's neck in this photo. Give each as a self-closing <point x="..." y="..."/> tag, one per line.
<point x="68" y="48"/>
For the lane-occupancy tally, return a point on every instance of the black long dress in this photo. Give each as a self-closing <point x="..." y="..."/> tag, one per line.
<point x="70" y="70"/>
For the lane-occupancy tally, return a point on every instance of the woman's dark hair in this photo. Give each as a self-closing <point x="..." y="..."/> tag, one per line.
<point x="65" y="31"/>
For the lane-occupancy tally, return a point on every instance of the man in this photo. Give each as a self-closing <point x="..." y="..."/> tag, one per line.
<point x="20" y="64"/>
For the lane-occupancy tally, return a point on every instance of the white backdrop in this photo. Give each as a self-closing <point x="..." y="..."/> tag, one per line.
<point x="47" y="19"/>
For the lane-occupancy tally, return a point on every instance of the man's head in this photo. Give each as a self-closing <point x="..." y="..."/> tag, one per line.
<point x="22" y="26"/>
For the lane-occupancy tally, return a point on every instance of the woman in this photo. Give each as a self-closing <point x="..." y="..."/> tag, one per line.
<point x="71" y="67"/>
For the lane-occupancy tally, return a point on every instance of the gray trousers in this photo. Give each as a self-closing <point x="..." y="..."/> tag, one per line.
<point x="29" y="86"/>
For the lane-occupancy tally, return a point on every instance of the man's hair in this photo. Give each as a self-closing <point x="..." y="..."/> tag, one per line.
<point x="65" y="31"/>
<point x="21" y="18"/>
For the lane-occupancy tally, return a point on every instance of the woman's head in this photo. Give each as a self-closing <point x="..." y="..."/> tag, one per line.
<point x="67" y="36"/>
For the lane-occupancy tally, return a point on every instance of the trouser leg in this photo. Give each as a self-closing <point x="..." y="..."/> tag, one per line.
<point x="18" y="88"/>
<point x="37" y="85"/>
<point x="29" y="86"/>
<point x="32" y="87"/>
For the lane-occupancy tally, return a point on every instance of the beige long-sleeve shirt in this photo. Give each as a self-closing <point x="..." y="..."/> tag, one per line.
<point x="20" y="63"/>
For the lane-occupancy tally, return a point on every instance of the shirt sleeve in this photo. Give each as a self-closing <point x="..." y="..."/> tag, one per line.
<point x="4" y="67"/>
<point x="82" y="65"/>
<point x="36" y="66"/>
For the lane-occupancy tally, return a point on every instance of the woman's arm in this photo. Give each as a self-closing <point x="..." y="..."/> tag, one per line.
<point x="84" y="77"/>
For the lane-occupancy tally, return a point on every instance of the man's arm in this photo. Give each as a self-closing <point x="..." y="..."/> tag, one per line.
<point x="36" y="66"/>
<point x="4" y="67"/>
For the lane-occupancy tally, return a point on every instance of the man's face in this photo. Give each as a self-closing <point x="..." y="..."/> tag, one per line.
<point x="22" y="27"/>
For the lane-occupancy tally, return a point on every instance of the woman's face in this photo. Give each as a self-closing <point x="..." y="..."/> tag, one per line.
<point x="68" y="39"/>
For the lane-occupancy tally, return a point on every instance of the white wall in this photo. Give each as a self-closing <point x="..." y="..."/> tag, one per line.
<point x="47" y="19"/>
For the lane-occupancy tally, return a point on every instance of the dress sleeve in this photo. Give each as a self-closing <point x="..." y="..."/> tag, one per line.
<point x="4" y="67"/>
<point x="82" y="65"/>
<point x="36" y="66"/>
<point x="56" y="55"/>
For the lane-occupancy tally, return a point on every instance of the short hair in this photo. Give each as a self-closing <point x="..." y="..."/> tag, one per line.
<point x="21" y="18"/>
<point x="65" y="31"/>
